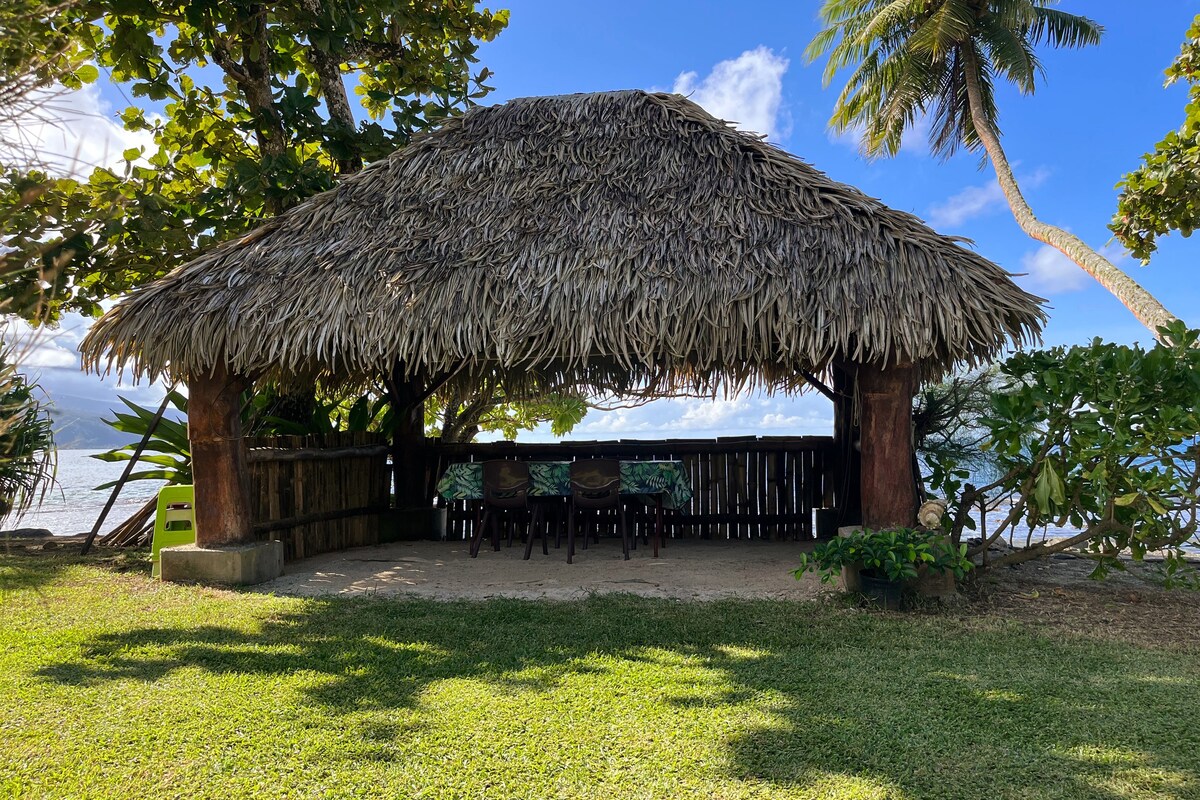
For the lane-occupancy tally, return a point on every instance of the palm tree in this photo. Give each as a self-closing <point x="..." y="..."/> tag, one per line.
<point x="940" y="58"/>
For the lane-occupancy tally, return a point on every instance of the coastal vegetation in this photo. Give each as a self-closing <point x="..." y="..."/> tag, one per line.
<point x="27" y="454"/>
<point x="1102" y="439"/>
<point x="1160" y="196"/>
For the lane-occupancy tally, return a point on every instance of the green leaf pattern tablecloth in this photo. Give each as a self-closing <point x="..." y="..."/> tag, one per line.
<point x="464" y="481"/>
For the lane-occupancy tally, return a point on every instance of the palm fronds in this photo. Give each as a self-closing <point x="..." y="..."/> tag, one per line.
<point x="908" y="59"/>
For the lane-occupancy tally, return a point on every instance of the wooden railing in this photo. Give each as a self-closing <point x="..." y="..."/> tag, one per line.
<point x="318" y="493"/>
<point x="744" y="487"/>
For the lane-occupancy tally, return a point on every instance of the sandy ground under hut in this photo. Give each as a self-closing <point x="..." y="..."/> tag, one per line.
<point x="687" y="570"/>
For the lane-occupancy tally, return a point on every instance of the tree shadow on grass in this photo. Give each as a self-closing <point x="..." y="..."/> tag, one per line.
<point x="25" y="570"/>
<point x="905" y="703"/>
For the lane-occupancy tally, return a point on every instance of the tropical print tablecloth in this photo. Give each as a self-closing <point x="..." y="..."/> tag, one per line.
<point x="464" y="481"/>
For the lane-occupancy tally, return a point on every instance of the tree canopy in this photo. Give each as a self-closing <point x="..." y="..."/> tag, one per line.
<point x="1163" y="194"/>
<point x="249" y="111"/>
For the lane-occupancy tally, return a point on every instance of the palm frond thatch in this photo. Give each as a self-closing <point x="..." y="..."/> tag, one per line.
<point x="620" y="239"/>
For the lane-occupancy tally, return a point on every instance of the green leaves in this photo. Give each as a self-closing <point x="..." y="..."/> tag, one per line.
<point x="910" y="58"/>
<point x="1163" y="194"/>
<point x="167" y="447"/>
<point x="27" y="454"/>
<point x="87" y="73"/>
<point x="1049" y="489"/>
<point x="1105" y="438"/>
<point x="895" y="553"/>
<point x="231" y="95"/>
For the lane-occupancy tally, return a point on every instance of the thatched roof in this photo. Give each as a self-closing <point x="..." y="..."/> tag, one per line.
<point x="613" y="238"/>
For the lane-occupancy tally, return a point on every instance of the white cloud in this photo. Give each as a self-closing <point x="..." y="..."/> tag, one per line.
<point x="704" y="418"/>
<point x="70" y="133"/>
<point x="50" y="358"/>
<point x="1051" y="272"/>
<point x="974" y="201"/>
<point x="747" y="90"/>
<point x="707" y="415"/>
<point x="47" y="354"/>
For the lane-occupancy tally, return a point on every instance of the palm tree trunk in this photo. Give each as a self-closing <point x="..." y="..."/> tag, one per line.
<point x="1148" y="310"/>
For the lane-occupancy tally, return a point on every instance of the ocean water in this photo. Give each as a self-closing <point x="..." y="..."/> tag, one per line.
<point x="73" y="505"/>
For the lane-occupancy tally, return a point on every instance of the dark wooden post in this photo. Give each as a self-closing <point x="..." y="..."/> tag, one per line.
<point x="222" y="507"/>
<point x="408" y="440"/>
<point x="889" y="497"/>
<point x="846" y="434"/>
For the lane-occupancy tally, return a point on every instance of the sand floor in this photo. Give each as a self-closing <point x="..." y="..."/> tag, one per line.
<point x="686" y="570"/>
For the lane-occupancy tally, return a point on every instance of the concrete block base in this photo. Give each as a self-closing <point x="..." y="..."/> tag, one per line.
<point x="240" y="565"/>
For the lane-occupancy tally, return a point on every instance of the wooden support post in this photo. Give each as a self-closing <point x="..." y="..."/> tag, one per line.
<point x="222" y="506"/>
<point x="408" y="440"/>
<point x="847" y="469"/>
<point x="889" y="496"/>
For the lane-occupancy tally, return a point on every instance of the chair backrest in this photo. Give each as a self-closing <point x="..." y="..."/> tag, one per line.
<point x="174" y="522"/>
<point x="506" y="484"/>
<point x="596" y="483"/>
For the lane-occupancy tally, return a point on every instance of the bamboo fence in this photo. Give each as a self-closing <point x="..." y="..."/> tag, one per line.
<point x="743" y="487"/>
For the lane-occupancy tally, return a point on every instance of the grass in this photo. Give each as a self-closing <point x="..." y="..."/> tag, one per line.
<point x="112" y="685"/>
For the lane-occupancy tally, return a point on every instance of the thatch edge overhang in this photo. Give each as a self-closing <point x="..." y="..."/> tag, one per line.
<point x="709" y="257"/>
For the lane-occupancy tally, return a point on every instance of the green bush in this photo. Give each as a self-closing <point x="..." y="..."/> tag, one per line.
<point x="27" y="455"/>
<point x="1104" y="439"/>
<point x="893" y="554"/>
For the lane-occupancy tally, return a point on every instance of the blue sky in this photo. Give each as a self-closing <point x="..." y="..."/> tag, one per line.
<point x="1091" y="119"/>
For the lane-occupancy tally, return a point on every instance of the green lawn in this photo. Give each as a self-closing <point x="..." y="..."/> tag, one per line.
<point x="115" y="686"/>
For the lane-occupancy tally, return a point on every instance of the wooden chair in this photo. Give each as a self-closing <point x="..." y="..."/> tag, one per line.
<point x="596" y="486"/>
<point x="505" y="489"/>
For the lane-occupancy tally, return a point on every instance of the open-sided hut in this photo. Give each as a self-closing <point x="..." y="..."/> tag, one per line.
<point x="622" y="239"/>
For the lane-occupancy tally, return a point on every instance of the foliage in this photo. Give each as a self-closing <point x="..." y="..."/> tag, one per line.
<point x="167" y="449"/>
<point x="34" y="56"/>
<point x="27" y="455"/>
<point x="910" y="59"/>
<point x="939" y="60"/>
<point x="490" y="408"/>
<point x="212" y="694"/>
<point x="947" y="433"/>
<point x="1104" y="438"/>
<point x="249" y="113"/>
<point x="37" y="64"/>
<point x="893" y="554"/>
<point x="265" y="413"/>
<point x="1164" y="193"/>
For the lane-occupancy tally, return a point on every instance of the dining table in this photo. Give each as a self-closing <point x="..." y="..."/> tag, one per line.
<point x="663" y="484"/>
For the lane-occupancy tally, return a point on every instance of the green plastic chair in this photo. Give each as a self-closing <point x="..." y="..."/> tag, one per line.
<point x="174" y="522"/>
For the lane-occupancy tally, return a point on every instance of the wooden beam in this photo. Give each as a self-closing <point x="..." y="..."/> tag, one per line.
<point x="261" y="454"/>
<point x="318" y="516"/>
<point x="818" y="384"/>
<point x="222" y="506"/>
<point x="847" y="433"/>
<point x="889" y="497"/>
<point x="557" y="451"/>
<point x="409" y="455"/>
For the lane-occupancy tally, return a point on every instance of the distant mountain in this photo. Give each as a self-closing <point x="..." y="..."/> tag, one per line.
<point x="79" y="423"/>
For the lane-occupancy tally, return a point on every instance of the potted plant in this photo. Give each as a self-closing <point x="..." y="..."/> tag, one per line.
<point x="887" y="561"/>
